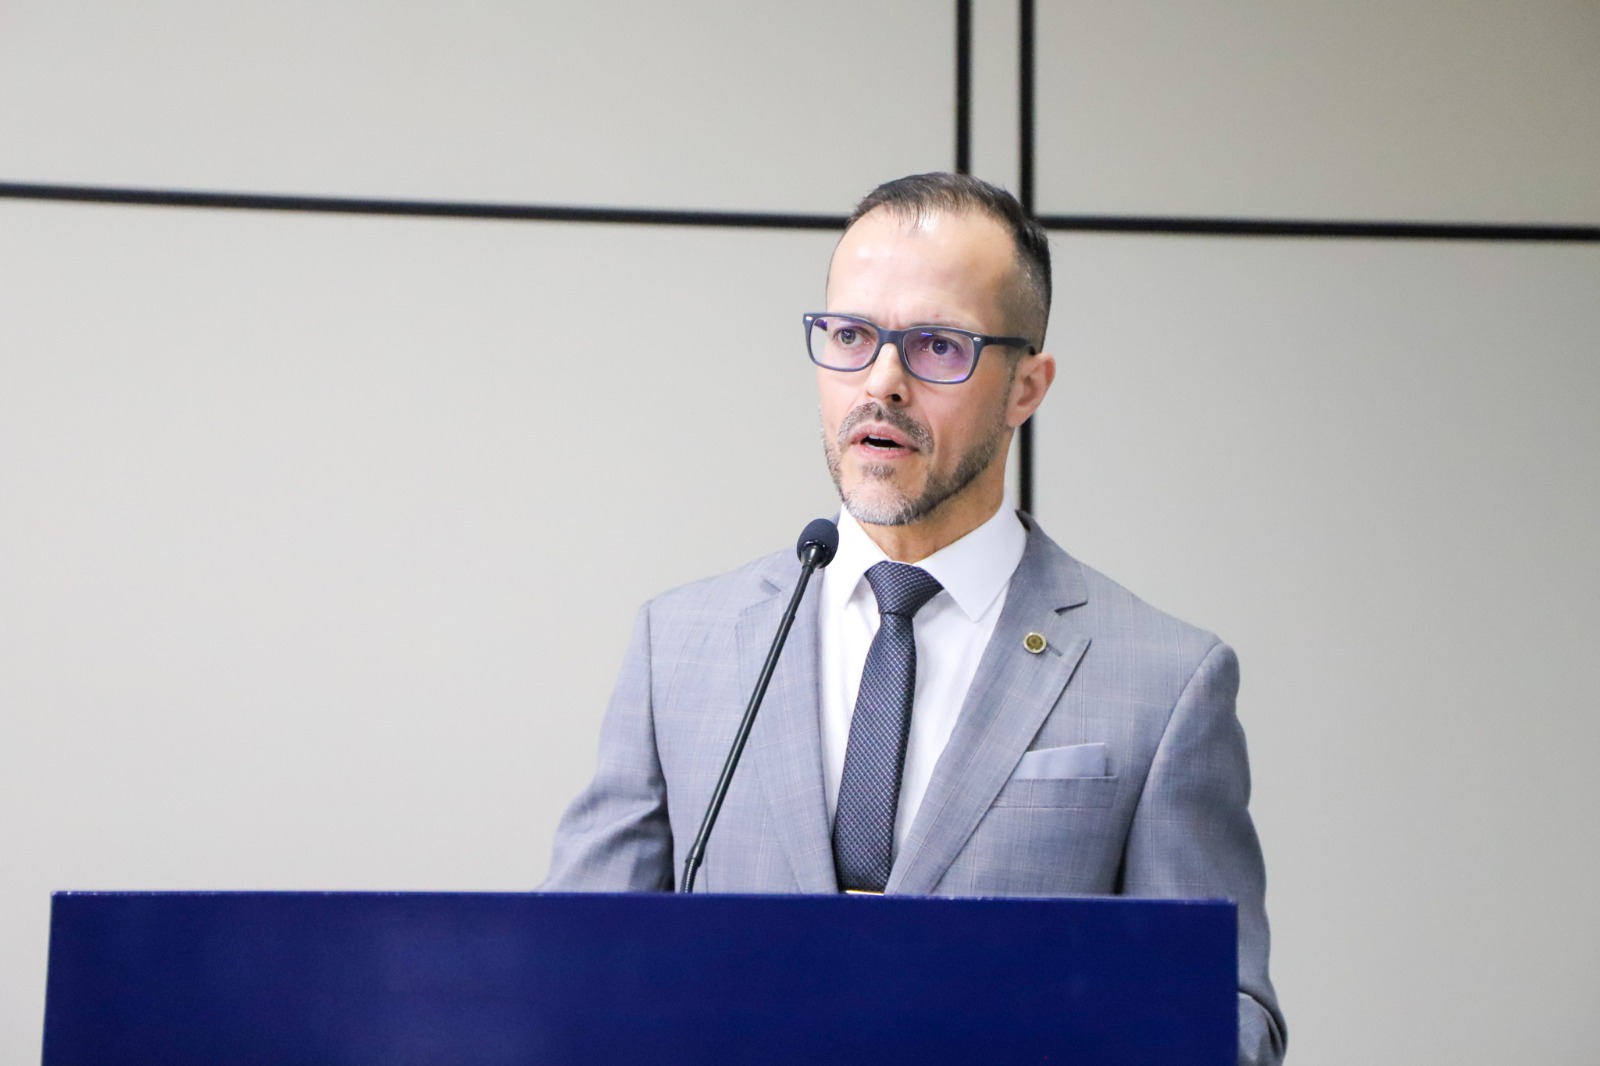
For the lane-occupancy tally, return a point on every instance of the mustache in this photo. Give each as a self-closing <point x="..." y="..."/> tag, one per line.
<point x="873" y="411"/>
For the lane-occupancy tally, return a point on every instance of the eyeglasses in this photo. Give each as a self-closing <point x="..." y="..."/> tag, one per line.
<point x="942" y="355"/>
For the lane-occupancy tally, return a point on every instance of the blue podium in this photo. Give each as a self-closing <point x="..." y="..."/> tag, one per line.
<point x="485" y="978"/>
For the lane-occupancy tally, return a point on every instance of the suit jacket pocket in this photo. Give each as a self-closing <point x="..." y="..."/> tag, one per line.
<point x="1058" y="792"/>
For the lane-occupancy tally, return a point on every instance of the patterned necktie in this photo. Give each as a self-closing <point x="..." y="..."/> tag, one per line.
<point x="869" y="791"/>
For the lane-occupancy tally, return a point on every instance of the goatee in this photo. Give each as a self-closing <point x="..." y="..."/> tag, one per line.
<point x="876" y="501"/>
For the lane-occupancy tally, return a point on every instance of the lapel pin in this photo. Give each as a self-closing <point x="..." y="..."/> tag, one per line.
<point x="1034" y="642"/>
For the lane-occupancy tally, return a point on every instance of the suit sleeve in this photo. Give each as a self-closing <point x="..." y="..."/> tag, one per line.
<point x="1192" y="836"/>
<point x="615" y="837"/>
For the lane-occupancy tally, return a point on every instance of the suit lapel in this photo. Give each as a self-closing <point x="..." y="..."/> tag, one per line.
<point x="785" y="748"/>
<point x="1011" y="694"/>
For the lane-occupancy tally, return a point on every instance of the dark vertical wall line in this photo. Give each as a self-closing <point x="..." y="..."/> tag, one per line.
<point x="1025" y="104"/>
<point x="1025" y="194"/>
<point x="963" y="86"/>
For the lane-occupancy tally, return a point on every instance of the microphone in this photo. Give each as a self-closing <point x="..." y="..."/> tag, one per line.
<point x="820" y="539"/>
<point x="817" y="544"/>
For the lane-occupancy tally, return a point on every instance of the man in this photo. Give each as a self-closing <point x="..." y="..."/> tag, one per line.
<point x="997" y="720"/>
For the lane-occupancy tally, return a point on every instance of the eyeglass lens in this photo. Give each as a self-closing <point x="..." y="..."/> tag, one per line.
<point x="849" y="344"/>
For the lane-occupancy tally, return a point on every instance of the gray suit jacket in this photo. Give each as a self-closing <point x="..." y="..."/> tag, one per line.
<point x="1169" y="819"/>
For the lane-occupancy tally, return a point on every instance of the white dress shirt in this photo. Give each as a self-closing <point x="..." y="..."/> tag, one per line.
<point x="952" y="630"/>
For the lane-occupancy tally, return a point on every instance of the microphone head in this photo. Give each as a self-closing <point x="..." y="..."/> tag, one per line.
<point x="820" y="540"/>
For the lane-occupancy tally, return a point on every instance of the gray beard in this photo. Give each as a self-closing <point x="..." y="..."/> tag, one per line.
<point x="903" y="510"/>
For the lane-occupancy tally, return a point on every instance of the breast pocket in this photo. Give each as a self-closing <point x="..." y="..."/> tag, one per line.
<point x="1058" y="792"/>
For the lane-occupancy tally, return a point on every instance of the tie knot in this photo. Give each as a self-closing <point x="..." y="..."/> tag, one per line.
<point x="901" y="589"/>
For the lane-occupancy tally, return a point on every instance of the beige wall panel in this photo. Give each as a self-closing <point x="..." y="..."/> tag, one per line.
<point x="321" y="538"/>
<point x="1470" y="110"/>
<point x="721" y="104"/>
<point x="1375" y="469"/>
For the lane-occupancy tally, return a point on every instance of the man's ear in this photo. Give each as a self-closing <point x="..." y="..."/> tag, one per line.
<point x="1034" y="374"/>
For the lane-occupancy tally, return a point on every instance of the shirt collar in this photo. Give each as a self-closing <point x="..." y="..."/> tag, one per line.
<point x="974" y="570"/>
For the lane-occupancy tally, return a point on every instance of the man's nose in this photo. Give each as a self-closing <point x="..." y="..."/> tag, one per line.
<point x="887" y="377"/>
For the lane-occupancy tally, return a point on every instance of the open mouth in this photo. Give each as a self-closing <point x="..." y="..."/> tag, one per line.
<point x="871" y="430"/>
<point x="882" y="440"/>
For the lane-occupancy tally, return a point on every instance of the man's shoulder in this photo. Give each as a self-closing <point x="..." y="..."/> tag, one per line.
<point x="733" y="590"/>
<point x="1107" y="609"/>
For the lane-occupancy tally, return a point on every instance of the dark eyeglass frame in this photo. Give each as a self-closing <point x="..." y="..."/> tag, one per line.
<point x="897" y="338"/>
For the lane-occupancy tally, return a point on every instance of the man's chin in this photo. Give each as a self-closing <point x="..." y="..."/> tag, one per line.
<point x="878" y="503"/>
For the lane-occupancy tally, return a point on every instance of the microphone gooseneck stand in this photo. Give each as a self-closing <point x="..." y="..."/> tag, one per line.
<point x="818" y="542"/>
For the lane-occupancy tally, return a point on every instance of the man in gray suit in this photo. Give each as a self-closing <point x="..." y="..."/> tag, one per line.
<point x="1055" y="734"/>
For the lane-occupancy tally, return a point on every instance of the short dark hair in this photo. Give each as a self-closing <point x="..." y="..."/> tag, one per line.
<point x="920" y="195"/>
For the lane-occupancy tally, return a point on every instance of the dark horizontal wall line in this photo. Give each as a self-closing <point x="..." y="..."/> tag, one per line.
<point x="1217" y="227"/>
<point x="1250" y="227"/>
<point x="341" y="205"/>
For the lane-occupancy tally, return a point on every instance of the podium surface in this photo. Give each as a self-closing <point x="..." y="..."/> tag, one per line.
<point x="488" y="978"/>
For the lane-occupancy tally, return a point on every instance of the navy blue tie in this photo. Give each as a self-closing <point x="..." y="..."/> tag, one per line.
<point x="869" y="790"/>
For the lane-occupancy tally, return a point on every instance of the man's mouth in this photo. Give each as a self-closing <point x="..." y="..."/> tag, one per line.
<point x="881" y="433"/>
<point x="879" y="440"/>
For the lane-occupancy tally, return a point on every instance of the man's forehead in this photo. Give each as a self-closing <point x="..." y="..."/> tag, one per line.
<point x="888" y="237"/>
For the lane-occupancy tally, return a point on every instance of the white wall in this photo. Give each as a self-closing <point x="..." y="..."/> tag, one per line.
<point x="1372" y="466"/>
<point x="1375" y="469"/>
<point x="714" y="104"/>
<point x="320" y="537"/>
<point x="1462" y="110"/>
